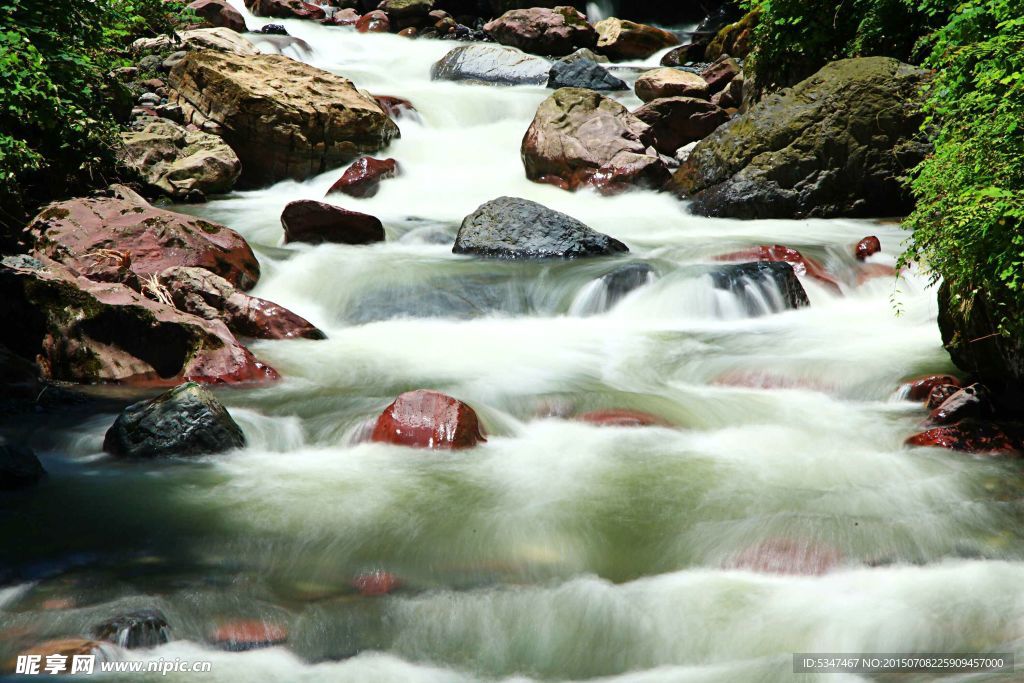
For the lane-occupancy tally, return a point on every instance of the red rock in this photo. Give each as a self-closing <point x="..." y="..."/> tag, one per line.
<point x="363" y="177"/>
<point x="285" y="9"/>
<point x="395" y="107"/>
<point x="866" y="247"/>
<point x="939" y="394"/>
<point x="408" y="32"/>
<point x="306" y="220"/>
<point x="869" y="271"/>
<point x="103" y="239"/>
<point x="975" y="437"/>
<point x="377" y="582"/>
<point x="720" y="73"/>
<point x="248" y="634"/>
<point x="788" y="556"/>
<point x="971" y="401"/>
<point x="543" y="31"/>
<point x="615" y="417"/>
<point x="919" y="389"/>
<point x="219" y="13"/>
<point x="428" y="419"/>
<point x="345" y="17"/>
<point x="802" y="265"/>
<point x="678" y="121"/>
<point x="374" y="22"/>
<point x="759" y="379"/>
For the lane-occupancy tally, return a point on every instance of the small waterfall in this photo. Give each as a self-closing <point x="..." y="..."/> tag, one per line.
<point x="600" y="9"/>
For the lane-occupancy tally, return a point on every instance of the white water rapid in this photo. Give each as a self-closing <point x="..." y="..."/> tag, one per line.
<point x="559" y="550"/>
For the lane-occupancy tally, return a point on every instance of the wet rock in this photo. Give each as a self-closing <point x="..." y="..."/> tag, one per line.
<point x="579" y="137"/>
<point x="684" y="54"/>
<point x="668" y="82"/>
<point x="762" y="286"/>
<point x="375" y="583"/>
<point x="919" y="389"/>
<point x="374" y="22"/>
<point x="970" y="402"/>
<point x="142" y="629"/>
<point x="583" y="73"/>
<point x="514" y="228"/>
<point x="975" y="437"/>
<point x="720" y="73"/>
<point x="788" y="556"/>
<point x="78" y="330"/>
<point x="491" y="65"/>
<point x="19" y="467"/>
<point x="584" y="53"/>
<point x="623" y="280"/>
<point x="343" y="17"/>
<point x="363" y="177"/>
<point x="616" y="417"/>
<point x="203" y="294"/>
<point x="731" y="97"/>
<point x="177" y="161"/>
<point x="283" y="118"/>
<point x="402" y="12"/>
<point x="273" y="30"/>
<point x="185" y="421"/>
<point x="285" y="9"/>
<point x="217" y="39"/>
<point x="114" y="240"/>
<point x="218" y="13"/>
<point x="868" y="246"/>
<point x="621" y="39"/>
<point x="939" y="393"/>
<point x="543" y="31"/>
<point x="734" y="39"/>
<point x="970" y="333"/>
<point x="314" y="222"/>
<point x="802" y="265"/>
<point x="678" y="121"/>
<point x="396" y="107"/>
<point x="251" y="634"/>
<point x="428" y="419"/>
<point x="68" y="648"/>
<point x="836" y="144"/>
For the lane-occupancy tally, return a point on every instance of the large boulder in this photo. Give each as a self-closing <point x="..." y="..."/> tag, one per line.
<point x="668" y="82"/>
<point x="678" y="121"/>
<point x="579" y="137"/>
<point x="112" y="239"/>
<point x="306" y="220"/>
<point x="583" y="73"/>
<point x="178" y="161"/>
<point x="491" y="65"/>
<point x="836" y="144"/>
<point x="218" y="13"/>
<point x="621" y="39"/>
<point x="559" y="31"/>
<point x="514" y="228"/>
<point x="219" y="39"/>
<point x="201" y="293"/>
<point x="285" y="9"/>
<point x="283" y="118"/>
<point x="428" y="419"/>
<point x="19" y="467"/>
<point x="186" y="420"/>
<point x="78" y="330"/>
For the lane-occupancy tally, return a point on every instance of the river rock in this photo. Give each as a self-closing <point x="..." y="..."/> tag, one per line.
<point x="19" y="467"/>
<point x="836" y="144"/>
<point x="428" y="419"/>
<point x="513" y="228"/>
<point x="285" y="9"/>
<point x="143" y="629"/>
<point x="762" y="283"/>
<point x="218" y="39"/>
<point x="975" y="437"/>
<point x="668" y="82"/>
<point x="731" y="97"/>
<point x="203" y="294"/>
<point x="376" y="583"/>
<point x="178" y="161"/>
<point x="678" y="121"/>
<point x="315" y="222"/>
<point x="283" y="118"/>
<point x="734" y="39"/>
<point x="187" y="420"/>
<point x="111" y="239"/>
<point x="618" y="417"/>
<point x="920" y="388"/>
<point x="579" y="137"/>
<point x="403" y="13"/>
<point x="687" y="53"/>
<point x="218" y="13"/>
<point x="869" y="246"/>
<point x="938" y="395"/>
<point x="802" y="265"/>
<point x="720" y="73"/>
<point x="248" y="634"/>
<point x="787" y="556"/>
<point x="491" y="65"/>
<point x="621" y="39"/>
<point x="363" y="177"/>
<point x="396" y="107"/>
<point x="78" y="330"/>
<point x="583" y="73"/>
<point x="343" y="17"/>
<point x="584" y="53"/>
<point x="971" y="336"/>
<point x="68" y="648"/>
<point x="542" y="31"/>
<point x="972" y="401"/>
<point x="373" y="22"/>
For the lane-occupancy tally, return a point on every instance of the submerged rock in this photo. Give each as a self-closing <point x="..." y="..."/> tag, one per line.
<point x="68" y="649"/>
<point x="363" y="178"/>
<point x="836" y="144"/>
<point x="802" y="265"/>
<point x="583" y="73"/>
<point x="19" y="467"/>
<point x="142" y="629"/>
<point x="762" y="286"/>
<point x="315" y="222"/>
<point x="428" y="419"/>
<point x="788" y="556"/>
<point x="491" y="65"/>
<point x="187" y="420"/>
<point x="621" y="39"/>
<point x="579" y="137"/>
<point x="513" y="228"/>
<point x="376" y="583"/>
<point x="248" y="634"/>
<point x="618" y="417"/>
<point x="542" y="31"/>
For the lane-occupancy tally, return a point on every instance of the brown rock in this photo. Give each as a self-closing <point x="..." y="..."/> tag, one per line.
<point x="248" y="634"/>
<point x="285" y="9"/>
<point x="219" y="13"/>
<point x="310" y="221"/>
<point x="616" y="417"/>
<point x="621" y="39"/>
<point x="720" y="73"/>
<point x="345" y="17"/>
<point x="939" y="393"/>
<point x="678" y="121"/>
<point x="542" y="31"/>
<point x="374" y="22"/>
<point x="428" y="419"/>
<point x="375" y="583"/>
<point x="668" y="82"/>
<point x="919" y="389"/>
<point x="970" y="402"/>
<point x="867" y="247"/>
<point x="363" y="178"/>
<point x="975" y="437"/>
<point x="396" y="107"/>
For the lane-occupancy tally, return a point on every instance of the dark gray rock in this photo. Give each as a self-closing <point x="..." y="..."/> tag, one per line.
<point x="762" y="287"/>
<point x="513" y="228"/>
<point x="142" y="629"/>
<point x="624" y="280"/>
<point x="19" y="467"/>
<point x="187" y="420"/>
<point x="583" y="73"/>
<point x="491" y="65"/>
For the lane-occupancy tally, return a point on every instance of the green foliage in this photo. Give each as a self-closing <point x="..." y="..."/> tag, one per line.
<point x="795" y="38"/>
<point x="58" y="106"/>
<point x="969" y="222"/>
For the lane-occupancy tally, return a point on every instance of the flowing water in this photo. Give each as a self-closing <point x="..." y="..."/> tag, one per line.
<point x="559" y="550"/>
